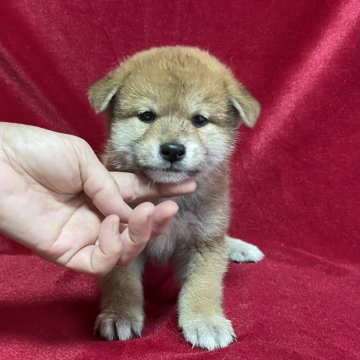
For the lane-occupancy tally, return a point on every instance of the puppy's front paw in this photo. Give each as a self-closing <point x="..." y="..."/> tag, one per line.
<point x="241" y="251"/>
<point x="208" y="332"/>
<point x="113" y="326"/>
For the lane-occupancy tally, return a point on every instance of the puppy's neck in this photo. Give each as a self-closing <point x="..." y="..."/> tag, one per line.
<point x="211" y="192"/>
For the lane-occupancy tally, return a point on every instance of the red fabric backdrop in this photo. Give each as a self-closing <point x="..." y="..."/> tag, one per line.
<point x="295" y="177"/>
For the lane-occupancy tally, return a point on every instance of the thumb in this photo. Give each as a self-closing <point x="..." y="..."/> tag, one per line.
<point x="99" y="185"/>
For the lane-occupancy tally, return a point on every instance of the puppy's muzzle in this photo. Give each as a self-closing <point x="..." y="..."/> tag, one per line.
<point x="172" y="151"/>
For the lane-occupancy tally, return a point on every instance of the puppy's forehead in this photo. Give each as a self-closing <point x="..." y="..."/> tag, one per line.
<point x="172" y="84"/>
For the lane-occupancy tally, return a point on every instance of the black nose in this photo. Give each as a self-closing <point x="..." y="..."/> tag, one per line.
<point x="172" y="151"/>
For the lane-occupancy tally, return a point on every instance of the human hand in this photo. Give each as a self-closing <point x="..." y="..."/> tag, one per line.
<point x="59" y="200"/>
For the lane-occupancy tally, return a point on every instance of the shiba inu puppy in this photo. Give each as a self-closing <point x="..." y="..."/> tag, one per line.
<point x="172" y="114"/>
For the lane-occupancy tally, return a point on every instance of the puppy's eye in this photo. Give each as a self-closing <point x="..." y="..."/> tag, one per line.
<point x="199" y="120"/>
<point x="147" y="116"/>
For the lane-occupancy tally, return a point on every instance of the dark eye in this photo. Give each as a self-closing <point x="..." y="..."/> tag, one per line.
<point x="147" y="116"/>
<point x="199" y="120"/>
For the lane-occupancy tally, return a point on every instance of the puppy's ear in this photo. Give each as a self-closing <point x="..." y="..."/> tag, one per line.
<point x="247" y="107"/>
<point x="101" y="93"/>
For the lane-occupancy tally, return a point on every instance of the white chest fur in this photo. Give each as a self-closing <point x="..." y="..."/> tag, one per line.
<point x="195" y="221"/>
<point x="163" y="247"/>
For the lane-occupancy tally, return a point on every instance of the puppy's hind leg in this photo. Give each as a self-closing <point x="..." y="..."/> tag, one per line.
<point x="240" y="251"/>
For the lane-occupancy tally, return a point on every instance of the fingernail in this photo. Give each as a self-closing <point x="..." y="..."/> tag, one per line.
<point x="149" y="216"/>
<point x="115" y="225"/>
<point x="188" y="186"/>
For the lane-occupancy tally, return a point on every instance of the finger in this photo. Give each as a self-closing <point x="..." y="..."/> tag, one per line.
<point x="137" y="234"/>
<point x="183" y="188"/>
<point x="100" y="258"/>
<point x="136" y="189"/>
<point x="98" y="183"/>
<point x="107" y="252"/>
<point x="163" y="214"/>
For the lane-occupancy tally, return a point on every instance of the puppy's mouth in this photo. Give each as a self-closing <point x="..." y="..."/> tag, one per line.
<point x="169" y="174"/>
<point x="170" y="169"/>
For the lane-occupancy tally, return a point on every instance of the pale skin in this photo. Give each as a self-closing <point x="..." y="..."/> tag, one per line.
<point x="57" y="199"/>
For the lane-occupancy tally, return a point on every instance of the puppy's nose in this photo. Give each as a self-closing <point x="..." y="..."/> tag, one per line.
<point x="172" y="152"/>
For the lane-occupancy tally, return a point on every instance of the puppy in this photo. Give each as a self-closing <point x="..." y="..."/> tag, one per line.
<point x="172" y="114"/>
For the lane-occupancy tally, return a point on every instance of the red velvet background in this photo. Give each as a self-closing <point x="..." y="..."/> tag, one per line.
<point x="296" y="176"/>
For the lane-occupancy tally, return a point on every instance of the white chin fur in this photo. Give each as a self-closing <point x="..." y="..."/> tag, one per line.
<point x="166" y="177"/>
